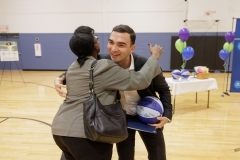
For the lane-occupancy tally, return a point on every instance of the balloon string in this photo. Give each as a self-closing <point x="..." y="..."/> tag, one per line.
<point x="184" y="64"/>
<point x="225" y="66"/>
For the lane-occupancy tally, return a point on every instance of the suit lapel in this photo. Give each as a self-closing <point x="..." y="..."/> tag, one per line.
<point x="137" y="65"/>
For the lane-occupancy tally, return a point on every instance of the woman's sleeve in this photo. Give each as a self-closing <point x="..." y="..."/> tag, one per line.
<point x="117" y="78"/>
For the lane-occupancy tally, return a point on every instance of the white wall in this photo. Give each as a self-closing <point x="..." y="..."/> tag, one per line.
<point x="63" y="16"/>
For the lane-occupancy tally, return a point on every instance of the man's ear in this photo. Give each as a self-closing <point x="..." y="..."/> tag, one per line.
<point x="133" y="47"/>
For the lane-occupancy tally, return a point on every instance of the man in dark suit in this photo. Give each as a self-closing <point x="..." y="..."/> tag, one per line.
<point x="121" y="45"/>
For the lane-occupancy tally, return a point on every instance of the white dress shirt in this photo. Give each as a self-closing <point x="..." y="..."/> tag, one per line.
<point x="129" y="99"/>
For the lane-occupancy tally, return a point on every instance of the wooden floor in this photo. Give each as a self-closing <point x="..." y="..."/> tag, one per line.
<point x="29" y="102"/>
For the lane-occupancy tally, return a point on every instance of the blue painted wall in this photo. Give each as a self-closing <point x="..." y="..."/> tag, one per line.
<point x="56" y="54"/>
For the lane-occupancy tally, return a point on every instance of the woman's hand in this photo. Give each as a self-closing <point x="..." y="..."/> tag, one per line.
<point x="156" y="51"/>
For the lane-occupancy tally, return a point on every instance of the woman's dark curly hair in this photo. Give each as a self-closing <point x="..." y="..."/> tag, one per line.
<point x="82" y="43"/>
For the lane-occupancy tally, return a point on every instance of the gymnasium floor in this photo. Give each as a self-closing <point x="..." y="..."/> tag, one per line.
<point x="29" y="102"/>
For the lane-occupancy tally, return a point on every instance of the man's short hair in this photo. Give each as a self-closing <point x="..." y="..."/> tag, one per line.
<point x="126" y="29"/>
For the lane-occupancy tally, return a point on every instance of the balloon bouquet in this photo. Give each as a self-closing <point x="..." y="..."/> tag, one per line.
<point x="227" y="48"/>
<point x="187" y="53"/>
<point x="224" y="53"/>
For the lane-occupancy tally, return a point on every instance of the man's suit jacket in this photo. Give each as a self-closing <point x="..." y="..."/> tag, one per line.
<point x="158" y="85"/>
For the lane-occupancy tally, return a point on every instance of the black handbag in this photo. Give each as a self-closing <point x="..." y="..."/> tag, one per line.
<point x="103" y="123"/>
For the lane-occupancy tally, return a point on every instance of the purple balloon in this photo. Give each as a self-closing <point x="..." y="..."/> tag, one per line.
<point x="229" y="37"/>
<point x="184" y="34"/>
<point x="223" y="54"/>
<point x="187" y="53"/>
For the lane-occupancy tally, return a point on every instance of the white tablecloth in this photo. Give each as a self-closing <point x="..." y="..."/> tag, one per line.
<point x="191" y="85"/>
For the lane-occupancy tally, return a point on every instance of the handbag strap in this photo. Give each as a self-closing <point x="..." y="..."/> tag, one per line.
<point x="91" y="83"/>
<point x="91" y="90"/>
